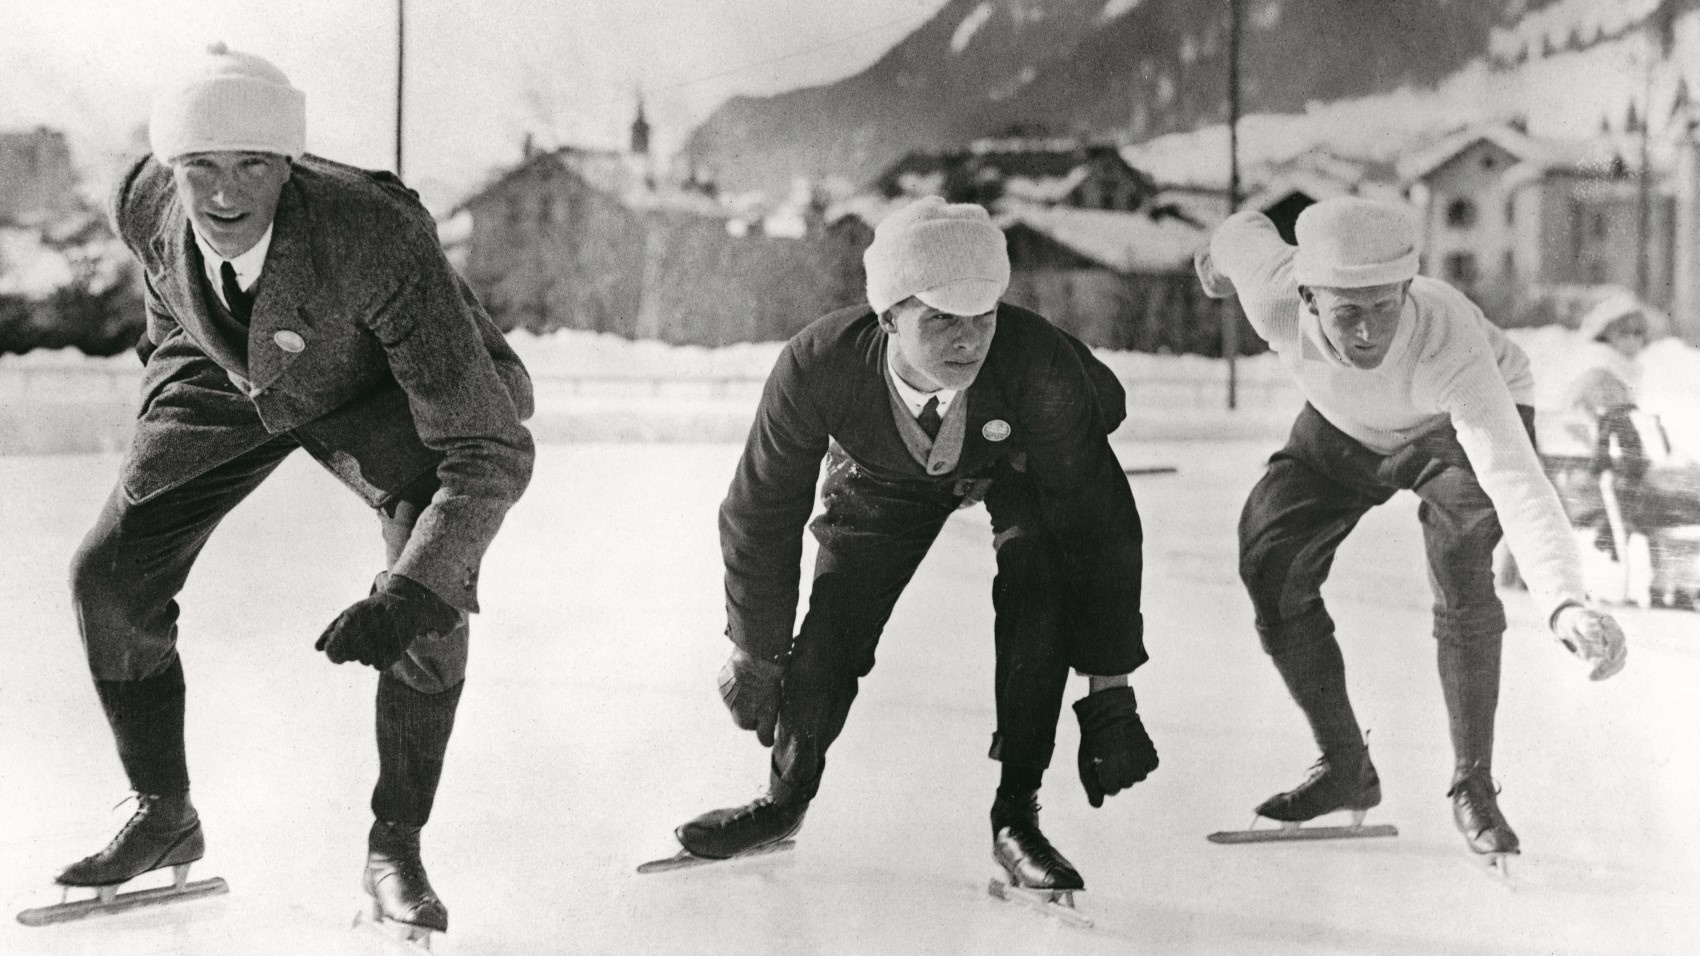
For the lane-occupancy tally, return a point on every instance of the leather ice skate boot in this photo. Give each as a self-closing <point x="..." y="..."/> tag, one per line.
<point x="395" y="878"/>
<point x="1475" y="809"/>
<point x="1334" y="783"/>
<point x="164" y="831"/>
<point x="733" y="831"/>
<point x="1020" y="847"/>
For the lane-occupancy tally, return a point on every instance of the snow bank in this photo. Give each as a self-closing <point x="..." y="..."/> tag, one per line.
<point x="598" y="387"/>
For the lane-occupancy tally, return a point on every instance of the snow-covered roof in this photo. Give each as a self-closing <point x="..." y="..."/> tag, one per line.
<point x="1542" y="154"/>
<point x="868" y="207"/>
<point x="1045" y="189"/>
<point x="1041" y="165"/>
<point x="607" y="170"/>
<point x="1122" y="241"/>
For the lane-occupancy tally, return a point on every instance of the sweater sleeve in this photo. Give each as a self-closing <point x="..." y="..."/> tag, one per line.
<point x="1513" y="362"/>
<point x="762" y="518"/>
<point x="1247" y="249"/>
<point x="1472" y="391"/>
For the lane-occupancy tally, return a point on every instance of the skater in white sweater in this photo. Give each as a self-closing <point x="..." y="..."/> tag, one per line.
<point x="1407" y="386"/>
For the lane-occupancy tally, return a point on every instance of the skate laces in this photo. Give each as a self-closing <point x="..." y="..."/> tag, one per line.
<point x="144" y="804"/>
<point x="1479" y="794"/>
<point x="752" y="808"/>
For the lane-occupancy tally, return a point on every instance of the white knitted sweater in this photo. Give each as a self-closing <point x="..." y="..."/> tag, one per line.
<point x="1447" y="361"/>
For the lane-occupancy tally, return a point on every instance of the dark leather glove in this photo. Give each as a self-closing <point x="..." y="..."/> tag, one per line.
<point x="377" y="630"/>
<point x="1115" y="751"/>
<point x="750" y="688"/>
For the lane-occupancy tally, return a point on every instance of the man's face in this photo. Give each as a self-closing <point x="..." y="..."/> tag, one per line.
<point x="932" y="349"/>
<point x="1359" y="323"/>
<point x="1628" y="335"/>
<point x="231" y="196"/>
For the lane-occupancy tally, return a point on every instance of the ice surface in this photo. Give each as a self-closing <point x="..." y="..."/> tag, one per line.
<point x="590" y="728"/>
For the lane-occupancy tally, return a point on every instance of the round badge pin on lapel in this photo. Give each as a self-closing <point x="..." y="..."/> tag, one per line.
<point x="995" y="430"/>
<point x="289" y="341"/>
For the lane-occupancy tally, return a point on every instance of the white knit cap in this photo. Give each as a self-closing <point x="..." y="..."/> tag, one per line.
<point x="1620" y="304"/>
<point x="1352" y="243"/>
<point x="949" y="256"/>
<point x="230" y="101"/>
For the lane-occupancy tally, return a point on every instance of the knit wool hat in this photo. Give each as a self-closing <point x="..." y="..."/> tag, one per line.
<point x="229" y="101"/>
<point x="949" y="256"/>
<point x="1352" y="243"/>
<point x="1617" y="306"/>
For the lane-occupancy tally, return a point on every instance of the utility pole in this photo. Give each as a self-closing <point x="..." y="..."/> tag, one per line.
<point x="1644" y="193"/>
<point x="1229" y="307"/>
<point x="400" y="56"/>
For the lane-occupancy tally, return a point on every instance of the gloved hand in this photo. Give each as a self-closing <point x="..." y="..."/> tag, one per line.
<point x="1593" y="636"/>
<point x="1216" y="285"/>
<point x="1115" y="751"/>
<point x="750" y="688"/>
<point x="378" y="629"/>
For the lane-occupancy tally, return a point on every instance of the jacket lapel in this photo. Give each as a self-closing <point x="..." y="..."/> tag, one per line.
<point x="174" y="245"/>
<point x="281" y="327"/>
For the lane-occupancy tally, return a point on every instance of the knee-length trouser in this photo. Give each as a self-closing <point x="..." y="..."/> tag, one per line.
<point x="872" y="536"/>
<point x="125" y="579"/>
<point x="1315" y="490"/>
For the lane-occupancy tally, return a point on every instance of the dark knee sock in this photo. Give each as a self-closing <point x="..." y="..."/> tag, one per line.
<point x="1017" y="780"/>
<point x="413" y="735"/>
<point x="1315" y="674"/>
<point x="147" y="722"/>
<point x="1469" y="679"/>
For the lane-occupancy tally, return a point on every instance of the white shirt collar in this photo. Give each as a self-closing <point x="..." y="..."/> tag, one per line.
<point x="247" y="265"/>
<point x="913" y="398"/>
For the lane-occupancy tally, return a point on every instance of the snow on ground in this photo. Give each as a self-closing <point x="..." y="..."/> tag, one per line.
<point x="590" y="728"/>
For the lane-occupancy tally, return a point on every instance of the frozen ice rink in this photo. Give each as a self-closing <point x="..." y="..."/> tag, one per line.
<point x="590" y="728"/>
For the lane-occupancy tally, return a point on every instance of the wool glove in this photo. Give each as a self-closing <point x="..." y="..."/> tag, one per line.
<point x="1115" y="751"/>
<point x="377" y="630"/>
<point x="750" y="688"/>
<point x="1594" y="637"/>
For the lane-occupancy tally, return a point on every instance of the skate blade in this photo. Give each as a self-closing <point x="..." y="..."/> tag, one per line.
<point x="1294" y="831"/>
<point x="108" y="900"/>
<point x="414" y="937"/>
<point x="685" y="859"/>
<point x="1055" y="903"/>
<point x="1496" y="865"/>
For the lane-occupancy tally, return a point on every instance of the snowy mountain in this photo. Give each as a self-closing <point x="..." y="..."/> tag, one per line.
<point x="1131" y="70"/>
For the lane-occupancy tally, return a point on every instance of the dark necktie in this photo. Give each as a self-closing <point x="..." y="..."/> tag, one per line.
<point x="241" y="303"/>
<point x="929" y="418"/>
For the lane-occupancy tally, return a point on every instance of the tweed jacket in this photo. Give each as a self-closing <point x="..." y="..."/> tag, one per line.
<point x="1041" y="400"/>
<point x="364" y="346"/>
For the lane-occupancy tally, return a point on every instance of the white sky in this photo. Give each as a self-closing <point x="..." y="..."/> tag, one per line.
<point x="480" y="72"/>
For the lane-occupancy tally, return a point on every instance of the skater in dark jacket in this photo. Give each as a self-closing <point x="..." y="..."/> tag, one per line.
<point x="933" y="396"/>
<point x="293" y="302"/>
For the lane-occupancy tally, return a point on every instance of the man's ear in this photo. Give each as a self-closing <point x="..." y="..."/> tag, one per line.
<point x="1308" y="299"/>
<point x="888" y="322"/>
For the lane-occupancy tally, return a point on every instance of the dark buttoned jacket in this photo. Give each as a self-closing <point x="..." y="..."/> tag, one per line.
<point x="1041" y="400"/>
<point x="364" y="346"/>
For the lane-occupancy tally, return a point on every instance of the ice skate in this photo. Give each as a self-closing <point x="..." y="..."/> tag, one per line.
<point x="1329" y="787"/>
<point x="1475" y="809"/>
<point x="760" y="827"/>
<point x="1037" y="875"/>
<point x="163" y="832"/>
<point x="399" y="897"/>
